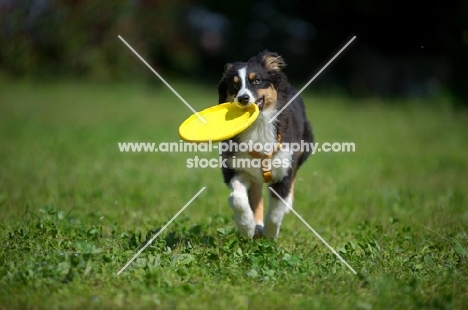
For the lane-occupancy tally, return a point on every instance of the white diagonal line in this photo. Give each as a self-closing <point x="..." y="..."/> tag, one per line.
<point x="313" y="230"/>
<point x="311" y="80"/>
<point x="164" y="81"/>
<point x="162" y="229"/>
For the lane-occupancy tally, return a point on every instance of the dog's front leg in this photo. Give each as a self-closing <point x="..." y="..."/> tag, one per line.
<point x="277" y="208"/>
<point x="256" y="204"/>
<point x="239" y="203"/>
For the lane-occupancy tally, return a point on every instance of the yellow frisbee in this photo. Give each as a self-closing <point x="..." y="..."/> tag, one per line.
<point x="223" y="122"/>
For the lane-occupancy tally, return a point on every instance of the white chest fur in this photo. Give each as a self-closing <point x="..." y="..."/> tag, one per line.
<point x="261" y="133"/>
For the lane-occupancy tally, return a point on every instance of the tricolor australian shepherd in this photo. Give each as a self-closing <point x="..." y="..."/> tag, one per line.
<point x="261" y="81"/>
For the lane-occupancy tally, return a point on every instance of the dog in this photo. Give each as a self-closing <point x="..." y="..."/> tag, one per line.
<point x="261" y="81"/>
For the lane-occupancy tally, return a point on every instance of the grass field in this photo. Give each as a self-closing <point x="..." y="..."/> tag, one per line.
<point x="74" y="210"/>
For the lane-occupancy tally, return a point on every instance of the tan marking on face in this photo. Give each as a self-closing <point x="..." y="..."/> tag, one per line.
<point x="230" y="98"/>
<point x="252" y="76"/>
<point x="271" y="97"/>
<point x="236" y="79"/>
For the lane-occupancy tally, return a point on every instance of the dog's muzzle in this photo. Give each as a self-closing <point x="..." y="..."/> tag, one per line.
<point x="244" y="100"/>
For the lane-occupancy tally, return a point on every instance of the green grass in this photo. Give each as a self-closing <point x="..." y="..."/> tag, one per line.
<point x="74" y="210"/>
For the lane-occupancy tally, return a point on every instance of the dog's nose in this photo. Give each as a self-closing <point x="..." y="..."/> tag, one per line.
<point x="244" y="99"/>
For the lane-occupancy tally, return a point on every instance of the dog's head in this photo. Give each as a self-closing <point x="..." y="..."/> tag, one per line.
<point x="259" y="81"/>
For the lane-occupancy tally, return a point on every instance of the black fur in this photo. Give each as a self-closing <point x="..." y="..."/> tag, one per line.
<point x="293" y="127"/>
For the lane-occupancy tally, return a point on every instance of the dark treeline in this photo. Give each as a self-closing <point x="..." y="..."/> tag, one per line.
<point x="402" y="48"/>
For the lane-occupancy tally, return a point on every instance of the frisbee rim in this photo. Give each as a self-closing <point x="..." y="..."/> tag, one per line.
<point x="253" y="117"/>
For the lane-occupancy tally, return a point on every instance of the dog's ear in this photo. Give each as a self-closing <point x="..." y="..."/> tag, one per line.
<point x="272" y="61"/>
<point x="222" y="91"/>
<point x="227" y="67"/>
<point x="222" y="86"/>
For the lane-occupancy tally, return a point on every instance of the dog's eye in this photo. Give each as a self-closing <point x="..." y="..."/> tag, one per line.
<point x="236" y="85"/>
<point x="256" y="81"/>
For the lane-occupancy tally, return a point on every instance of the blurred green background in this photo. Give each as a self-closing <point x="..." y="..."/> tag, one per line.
<point x="402" y="49"/>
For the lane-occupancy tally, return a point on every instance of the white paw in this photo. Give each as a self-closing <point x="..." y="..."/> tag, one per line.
<point x="245" y="226"/>
<point x="243" y="215"/>
<point x="275" y="215"/>
<point x="271" y="230"/>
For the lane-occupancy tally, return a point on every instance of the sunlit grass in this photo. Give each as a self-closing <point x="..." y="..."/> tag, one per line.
<point x="74" y="210"/>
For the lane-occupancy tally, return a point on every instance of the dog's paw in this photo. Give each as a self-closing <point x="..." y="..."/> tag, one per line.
<point x="271" y="230"/>
<point x="245" y="223"/>
<point x="246" y="230"/>
<point x="258" y="231"/>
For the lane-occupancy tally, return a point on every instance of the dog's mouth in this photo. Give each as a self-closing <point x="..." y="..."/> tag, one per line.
<point x="260" y="102"/>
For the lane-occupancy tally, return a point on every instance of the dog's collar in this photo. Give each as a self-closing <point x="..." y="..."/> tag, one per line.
<point x="267" y="174"/>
